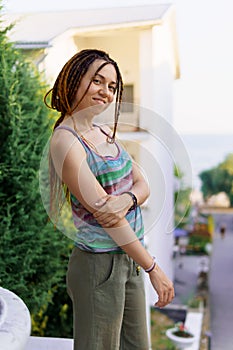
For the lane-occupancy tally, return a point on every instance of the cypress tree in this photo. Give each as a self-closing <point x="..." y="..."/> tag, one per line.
<point x="32" y="254"/>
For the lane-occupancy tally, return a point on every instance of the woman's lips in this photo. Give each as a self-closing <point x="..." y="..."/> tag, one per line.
<point x="99" y="100"/>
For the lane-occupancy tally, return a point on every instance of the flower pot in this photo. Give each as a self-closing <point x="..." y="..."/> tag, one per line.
<point x="179" y="341"/>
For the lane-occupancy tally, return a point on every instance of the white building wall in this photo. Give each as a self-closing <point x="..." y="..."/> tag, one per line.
<point x="156" y="83"/>
<point x="62" y="48"/>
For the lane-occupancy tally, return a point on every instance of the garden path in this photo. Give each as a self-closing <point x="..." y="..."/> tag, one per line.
<point x="221" y="286"/>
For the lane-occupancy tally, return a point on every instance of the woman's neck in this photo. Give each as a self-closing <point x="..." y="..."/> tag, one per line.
<point x="80" y="122"/>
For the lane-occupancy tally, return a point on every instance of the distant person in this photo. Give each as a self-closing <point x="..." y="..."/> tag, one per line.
<point x="105" y="189"/>
<point x="222" y="230"/>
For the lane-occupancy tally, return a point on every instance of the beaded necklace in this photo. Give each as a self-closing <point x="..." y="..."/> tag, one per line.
<point x="109" y="139"/>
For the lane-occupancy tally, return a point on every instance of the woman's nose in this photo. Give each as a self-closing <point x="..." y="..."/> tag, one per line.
<point x="104" y="90"/>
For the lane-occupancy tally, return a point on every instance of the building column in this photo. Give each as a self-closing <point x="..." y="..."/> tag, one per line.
<point x="156" y="80"/>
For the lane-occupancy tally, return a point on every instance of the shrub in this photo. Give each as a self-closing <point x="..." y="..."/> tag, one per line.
<point x="32" y="254"/>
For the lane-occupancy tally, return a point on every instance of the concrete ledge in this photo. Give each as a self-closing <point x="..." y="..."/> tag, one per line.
<point x="46" y="343"/>
<point x="193" y="323"/>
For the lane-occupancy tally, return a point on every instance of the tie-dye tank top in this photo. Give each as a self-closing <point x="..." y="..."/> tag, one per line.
<point x="115" y="175"/>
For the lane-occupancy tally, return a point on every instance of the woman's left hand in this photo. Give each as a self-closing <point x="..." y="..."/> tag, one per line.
<point x="163" y="286"/>
<point x="112" y="209"/>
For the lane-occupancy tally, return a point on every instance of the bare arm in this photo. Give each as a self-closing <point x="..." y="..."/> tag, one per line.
<point x="140" y="186"/>
<point x="111" y="209"/>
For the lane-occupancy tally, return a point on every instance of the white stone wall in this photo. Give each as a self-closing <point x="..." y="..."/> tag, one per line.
<point x="156" y="83"/>
<point x="62" y="48"/>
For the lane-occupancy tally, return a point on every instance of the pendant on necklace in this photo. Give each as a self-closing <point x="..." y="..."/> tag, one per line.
<point x="110" y="140"/>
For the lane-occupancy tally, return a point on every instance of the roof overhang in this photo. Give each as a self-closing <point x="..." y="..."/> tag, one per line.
<point x="31" y="45"/>
<point x="39" y="30"/>
<point x="45" y="26"/>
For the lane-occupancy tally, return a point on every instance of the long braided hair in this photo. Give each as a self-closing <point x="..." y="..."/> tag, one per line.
<point x="62" y="97"/>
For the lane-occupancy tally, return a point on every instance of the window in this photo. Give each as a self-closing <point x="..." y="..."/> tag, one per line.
<point x="128" y="99"/>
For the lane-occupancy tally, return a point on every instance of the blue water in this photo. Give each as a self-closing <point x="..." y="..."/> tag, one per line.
<point x="206" y="151"/>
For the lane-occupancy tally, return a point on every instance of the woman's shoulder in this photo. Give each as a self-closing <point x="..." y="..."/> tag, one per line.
<point x="65" y="128"/>
<point x="62" y="133"/>
<point x="63" y="138"/>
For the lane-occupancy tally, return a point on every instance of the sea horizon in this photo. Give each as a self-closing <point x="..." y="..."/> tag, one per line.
<point x="206" y="150"/>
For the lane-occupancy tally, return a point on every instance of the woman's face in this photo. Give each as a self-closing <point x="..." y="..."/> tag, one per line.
<point x="101" y="90"/>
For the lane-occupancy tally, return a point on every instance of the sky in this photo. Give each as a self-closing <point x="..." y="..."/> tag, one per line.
<point x="203" y="96"/>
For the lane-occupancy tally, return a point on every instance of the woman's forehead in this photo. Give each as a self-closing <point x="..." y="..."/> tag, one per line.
<point x="107" y="68"/>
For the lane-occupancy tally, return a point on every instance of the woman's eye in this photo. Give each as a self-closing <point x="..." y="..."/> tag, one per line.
<point x="96" y="81"/>
<point x="112" y="88"/>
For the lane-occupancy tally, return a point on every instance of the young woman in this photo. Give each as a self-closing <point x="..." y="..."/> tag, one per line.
<point x="106" y="190"/>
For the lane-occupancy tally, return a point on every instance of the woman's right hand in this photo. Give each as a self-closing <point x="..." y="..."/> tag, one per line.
<point x="111" y="209"/>
<point x="163" y="286"/>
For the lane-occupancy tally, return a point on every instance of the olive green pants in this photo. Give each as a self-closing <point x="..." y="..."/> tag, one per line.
<point x="108" y="302"/>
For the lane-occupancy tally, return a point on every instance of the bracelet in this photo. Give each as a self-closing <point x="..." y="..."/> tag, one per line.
<point x="134" y="198"/>
<point x="151" y="267"/>
<point x="133" y="207"/>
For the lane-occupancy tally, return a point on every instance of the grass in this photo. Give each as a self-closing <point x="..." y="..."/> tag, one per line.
<point x="159" y="324"/>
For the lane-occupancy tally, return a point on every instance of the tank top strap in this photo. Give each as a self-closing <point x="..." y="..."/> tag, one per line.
<point x="68" y="128"/>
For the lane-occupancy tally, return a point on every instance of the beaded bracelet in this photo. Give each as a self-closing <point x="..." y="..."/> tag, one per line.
<point x="135" y="201"/>
<point x="151" y="267"/>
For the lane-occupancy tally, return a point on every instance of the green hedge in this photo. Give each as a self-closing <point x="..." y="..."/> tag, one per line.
<point x="33" y="256"/>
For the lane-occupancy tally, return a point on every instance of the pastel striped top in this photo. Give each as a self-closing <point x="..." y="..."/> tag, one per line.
<point x="115" y="176"/>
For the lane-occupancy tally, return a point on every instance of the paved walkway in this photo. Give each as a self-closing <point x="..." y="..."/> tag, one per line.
<point x="220" y="283"/>
<point x="221" y="287"/>
<point x="187" y="269"/>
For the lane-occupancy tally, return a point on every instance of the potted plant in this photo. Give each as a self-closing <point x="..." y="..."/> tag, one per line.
<point x="180" y="336"/>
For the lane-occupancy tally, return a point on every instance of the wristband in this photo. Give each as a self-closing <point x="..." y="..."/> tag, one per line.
<point x="151" y="267"/>
<point x="134" y="198"/>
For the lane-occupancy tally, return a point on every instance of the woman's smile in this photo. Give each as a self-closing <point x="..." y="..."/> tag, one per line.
<point x="99" y="100"/>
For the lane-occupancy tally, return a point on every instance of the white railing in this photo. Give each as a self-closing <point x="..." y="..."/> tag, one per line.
<point x="15" y="321"/>
<point x="193" y="322"/>
<point x="46" y="343"/>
